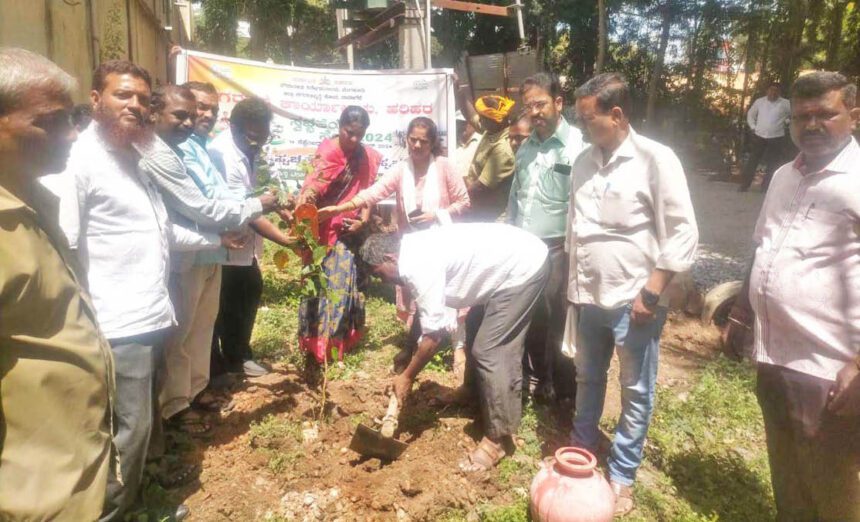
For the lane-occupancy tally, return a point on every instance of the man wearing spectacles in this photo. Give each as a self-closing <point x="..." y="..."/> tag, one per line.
<point x="538" y="201"/>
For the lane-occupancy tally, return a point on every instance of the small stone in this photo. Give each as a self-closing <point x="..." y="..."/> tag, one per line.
<point x="334" y="493"/>
<point x="409" y="490"/>
<point x="344" y="450"/>
<point x="251" y="389"/>
<point x="309" y="499"/>
<point x="403" y="516"/>
<point x="353" y="499"/>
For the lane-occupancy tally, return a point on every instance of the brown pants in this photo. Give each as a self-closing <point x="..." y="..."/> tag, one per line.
<point x="814" y="455"/>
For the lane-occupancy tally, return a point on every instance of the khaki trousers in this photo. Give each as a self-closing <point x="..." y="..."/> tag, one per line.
<point x="195" y="294"/>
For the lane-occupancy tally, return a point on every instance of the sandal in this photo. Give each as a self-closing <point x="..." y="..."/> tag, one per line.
<point x="623" y="499"/>
<point x="190" y="422"/>
<point x="178" y="476"/>
<point x="484" y="458"/>
<point x="207" y="402"/>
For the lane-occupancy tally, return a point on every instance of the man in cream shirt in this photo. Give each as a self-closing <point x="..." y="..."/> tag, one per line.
<point x="632" y="228"/>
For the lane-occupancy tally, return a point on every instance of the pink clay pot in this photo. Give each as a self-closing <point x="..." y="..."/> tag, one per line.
<point x="567" y="489"/>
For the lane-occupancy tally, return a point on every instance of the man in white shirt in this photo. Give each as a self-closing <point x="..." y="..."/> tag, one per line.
<point x="538" y="202"/>
<point x="803" y="306"/>
<point x="499" y="271"/>
<point x="766" y="118"/>
<point x="234" y="153"/>
<point x="631" y="229"/>
<point x="119" y="227"/>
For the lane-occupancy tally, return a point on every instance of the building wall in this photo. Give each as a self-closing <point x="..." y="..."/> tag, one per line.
<point x="80" y="34"/>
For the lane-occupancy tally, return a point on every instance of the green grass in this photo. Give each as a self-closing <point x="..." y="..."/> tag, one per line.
<point x="706" y="457"/>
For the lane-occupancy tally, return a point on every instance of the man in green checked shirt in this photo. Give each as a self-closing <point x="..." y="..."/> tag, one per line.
<point x="538" y="203"/>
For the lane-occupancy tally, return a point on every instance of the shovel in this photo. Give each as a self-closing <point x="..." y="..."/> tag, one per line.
<point x="379" y="444"/>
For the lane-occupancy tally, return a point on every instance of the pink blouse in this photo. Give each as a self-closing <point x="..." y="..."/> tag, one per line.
<point x="453" y="196"/>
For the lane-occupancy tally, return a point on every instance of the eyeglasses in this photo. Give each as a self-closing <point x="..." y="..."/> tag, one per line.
<point x="538" y="105"/>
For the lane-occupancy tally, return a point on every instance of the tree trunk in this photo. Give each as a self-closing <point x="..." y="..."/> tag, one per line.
<point x="601" y="36"/>
<point x="657" y="71"/>
<point x="834" y="35"/>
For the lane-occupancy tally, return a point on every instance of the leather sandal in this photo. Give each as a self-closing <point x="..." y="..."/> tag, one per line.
<point x="484" y="458"/>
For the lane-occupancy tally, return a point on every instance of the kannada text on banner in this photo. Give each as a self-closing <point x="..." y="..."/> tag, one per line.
<point x="308" y="102"/>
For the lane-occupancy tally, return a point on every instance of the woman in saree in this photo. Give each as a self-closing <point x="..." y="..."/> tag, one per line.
<point x="342" y="167"/>
<point x="428" y="192"/>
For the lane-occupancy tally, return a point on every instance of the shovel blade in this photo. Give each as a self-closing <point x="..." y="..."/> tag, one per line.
<point x="371" y="443"/>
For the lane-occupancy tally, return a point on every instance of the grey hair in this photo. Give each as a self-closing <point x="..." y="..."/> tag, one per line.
<point x="22" y="71"/>
<point x="377" y="246"/>
<point x="819" y="83"/>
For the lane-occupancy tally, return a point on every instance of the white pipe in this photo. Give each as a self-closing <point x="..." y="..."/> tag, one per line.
<point x="519" y="8"/>
<point x="429" y="39"/>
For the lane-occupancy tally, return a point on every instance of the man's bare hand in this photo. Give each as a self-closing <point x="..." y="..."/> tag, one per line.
<point x="351" y="226"/>
<point x="845" y="395"/>
<point x="285" y="215"/>
<point x="402" y="385"/>
<point x="736" y="332"/>
<point x="269" y="202"/>
<point x="641" y="314"/>
<point x="233" y="240"/>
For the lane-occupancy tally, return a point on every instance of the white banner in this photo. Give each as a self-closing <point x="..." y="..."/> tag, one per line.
<point x="308" y="102"/>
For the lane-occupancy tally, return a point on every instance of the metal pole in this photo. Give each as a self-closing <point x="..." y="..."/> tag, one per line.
<point x="519" y="7"/>
<point x="427" y="40"/>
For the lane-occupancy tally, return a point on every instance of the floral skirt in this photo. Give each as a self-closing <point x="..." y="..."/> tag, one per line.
<point x="335" y="321"/>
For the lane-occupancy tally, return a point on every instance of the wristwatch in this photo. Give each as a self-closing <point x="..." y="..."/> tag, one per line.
<point x="649" y="298"/>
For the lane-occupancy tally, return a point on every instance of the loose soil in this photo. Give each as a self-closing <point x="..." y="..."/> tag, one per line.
<point x="303" y="470"/>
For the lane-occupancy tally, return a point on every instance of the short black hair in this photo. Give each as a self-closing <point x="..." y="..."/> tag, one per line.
<point x="375" y="248"/>
<point x="547" y="81"/>
<point x="354" y="114"/>
<point x="118" y="67"/>
<point x="819" y="83"/>
<point x="610" y="89"/>
<point x="200" y="86"/>
<point x="251" y="109"/>
<point x="432" y="132"/>
<point x="160" y="94"/>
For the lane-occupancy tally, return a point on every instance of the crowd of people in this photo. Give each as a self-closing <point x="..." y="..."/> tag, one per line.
<point x="130" y="277"/>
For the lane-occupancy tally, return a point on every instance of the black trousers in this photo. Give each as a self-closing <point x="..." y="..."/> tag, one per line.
<point x="543" y="364"/>
<point x="496" y="333"/>
<point x="241" y="290"/>
<point x="814" y="455"/>
<point x="770" y="150"/>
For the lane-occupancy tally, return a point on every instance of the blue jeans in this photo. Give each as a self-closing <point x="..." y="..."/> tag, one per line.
<point x="600" y="333"/>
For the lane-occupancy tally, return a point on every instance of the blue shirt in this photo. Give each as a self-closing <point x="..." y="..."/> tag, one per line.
<point x="540" y="191"/>
<point x="202" y="170"/>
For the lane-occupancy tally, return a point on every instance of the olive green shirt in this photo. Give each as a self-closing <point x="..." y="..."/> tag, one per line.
<point x="493" y="167"/>
<point x="56" y="373"/>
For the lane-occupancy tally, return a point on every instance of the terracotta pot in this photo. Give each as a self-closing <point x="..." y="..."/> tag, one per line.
<point x="568" y="489"/>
